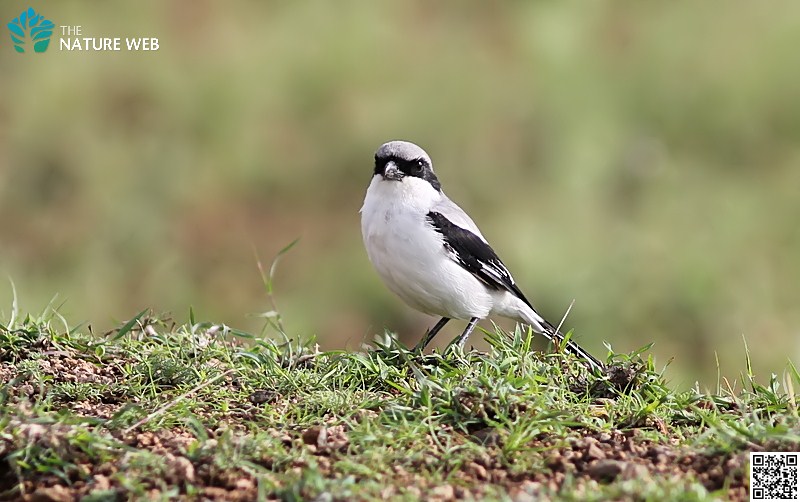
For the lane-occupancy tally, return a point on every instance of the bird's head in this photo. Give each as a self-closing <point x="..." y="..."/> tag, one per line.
<point x="401" y="161"/>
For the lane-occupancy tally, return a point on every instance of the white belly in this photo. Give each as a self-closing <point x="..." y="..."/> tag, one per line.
<point x="414" y="264"/>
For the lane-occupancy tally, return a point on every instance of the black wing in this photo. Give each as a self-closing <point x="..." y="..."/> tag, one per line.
<point x="475" y="255"/>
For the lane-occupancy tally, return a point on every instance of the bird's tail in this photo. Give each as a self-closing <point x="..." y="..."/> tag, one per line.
<point x="551" y="333"/>
<point x="572" y="347"/>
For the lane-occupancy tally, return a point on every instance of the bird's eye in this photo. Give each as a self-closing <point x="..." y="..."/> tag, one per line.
<point x="420" y="164"/>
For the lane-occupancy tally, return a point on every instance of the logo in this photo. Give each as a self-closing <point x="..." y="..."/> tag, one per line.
<point x="31" y="27"/>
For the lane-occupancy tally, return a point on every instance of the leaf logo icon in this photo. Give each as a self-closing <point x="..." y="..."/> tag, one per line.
<point x="33" y="26"/>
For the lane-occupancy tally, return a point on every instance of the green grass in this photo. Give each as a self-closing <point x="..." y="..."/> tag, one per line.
<point x="164" y="410"/>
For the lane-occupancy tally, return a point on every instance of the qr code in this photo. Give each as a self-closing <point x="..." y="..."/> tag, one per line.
<point x="773" y="476"/>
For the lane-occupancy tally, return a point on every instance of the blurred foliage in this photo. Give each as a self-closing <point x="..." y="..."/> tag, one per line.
<point x="641" y="158"/>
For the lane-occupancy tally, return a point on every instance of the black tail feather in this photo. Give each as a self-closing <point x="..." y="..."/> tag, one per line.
<point x="552" y="334"/>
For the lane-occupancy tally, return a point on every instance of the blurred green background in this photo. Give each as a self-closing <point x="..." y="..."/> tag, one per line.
<point x="640" y="158"/>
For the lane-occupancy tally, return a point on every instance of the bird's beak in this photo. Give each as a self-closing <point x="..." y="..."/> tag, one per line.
<point x="391" y="172"/>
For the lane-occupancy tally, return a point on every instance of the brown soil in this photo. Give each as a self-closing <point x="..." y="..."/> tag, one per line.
<point x="600" y="457"/>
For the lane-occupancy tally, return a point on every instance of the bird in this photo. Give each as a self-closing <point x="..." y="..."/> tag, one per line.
<point x="430" y="253"/>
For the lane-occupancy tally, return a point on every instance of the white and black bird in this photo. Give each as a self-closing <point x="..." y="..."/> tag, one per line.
<point x="431" y="254"/>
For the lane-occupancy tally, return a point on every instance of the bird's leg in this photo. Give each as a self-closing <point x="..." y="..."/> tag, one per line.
<point x="430" y="334"/>
<point x="462" y="339"/>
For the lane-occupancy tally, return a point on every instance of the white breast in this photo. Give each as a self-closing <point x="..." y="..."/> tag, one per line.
<point x="410" y="256"/>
